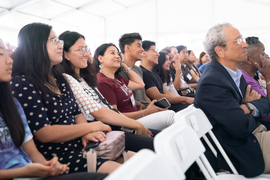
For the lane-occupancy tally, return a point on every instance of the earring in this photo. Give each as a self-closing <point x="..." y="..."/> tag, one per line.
<point x="101" y="66"/>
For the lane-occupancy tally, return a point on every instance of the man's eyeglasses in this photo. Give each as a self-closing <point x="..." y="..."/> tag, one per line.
<point x="239" y="41"/>
<point x="82" y="50"/>
<point x="56" y="41"/>
<point x="155" y="50"/>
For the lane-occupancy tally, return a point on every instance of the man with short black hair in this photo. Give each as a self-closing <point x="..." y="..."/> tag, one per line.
<point x="131" y="48"/>
<point x="154" y="87"/>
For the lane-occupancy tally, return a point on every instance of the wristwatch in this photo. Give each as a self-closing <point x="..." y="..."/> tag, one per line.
<point x="250" y="107"/>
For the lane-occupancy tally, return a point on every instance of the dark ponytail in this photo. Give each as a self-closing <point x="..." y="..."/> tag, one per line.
<point x="12" y="118"/>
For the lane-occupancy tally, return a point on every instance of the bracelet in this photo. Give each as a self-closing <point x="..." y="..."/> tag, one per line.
<point x="268" y="83"/>
<point x="142" y="113"/>
<point x="129" y="68"/>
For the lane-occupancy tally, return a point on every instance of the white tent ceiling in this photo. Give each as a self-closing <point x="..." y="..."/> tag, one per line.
<point x="168" y="22"/>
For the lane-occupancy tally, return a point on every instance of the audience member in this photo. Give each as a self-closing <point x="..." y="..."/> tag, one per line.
<point x="189" y="76"/>
<point x="203" y="58"/>
<point x="131" y="48"/>
<point x="154" y="87"/>
<point x="118" y="90"/>
<point x="175" y="69"/>
<point x="232" y="108"/>
<point x="256" y="56"/>
<point x="83" y="82"/>
<point x="19" y="156"/>
<point x="179" y="83"/>
<point x="163" y="70"/>
<point x="59" y="128"/>
<point x="191" y="63"/>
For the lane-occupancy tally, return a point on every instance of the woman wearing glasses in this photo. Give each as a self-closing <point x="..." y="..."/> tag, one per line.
<point x="55" y="120"/>
<point x="118" y="90"/>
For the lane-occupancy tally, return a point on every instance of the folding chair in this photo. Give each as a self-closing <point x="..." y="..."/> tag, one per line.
<point x="145" y="165"/>
<point x="181" y="147"/>
<point x="195" y="118"/>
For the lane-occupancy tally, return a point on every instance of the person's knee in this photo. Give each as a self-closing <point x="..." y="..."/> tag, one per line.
<point x="108" y="167"/>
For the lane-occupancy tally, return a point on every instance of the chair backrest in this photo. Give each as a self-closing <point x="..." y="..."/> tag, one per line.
<point x="195" y="118"/>
<point x="145" y="165"/>
<point x="181" y="147"/>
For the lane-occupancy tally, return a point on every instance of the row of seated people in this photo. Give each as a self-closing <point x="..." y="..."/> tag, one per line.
<point x="59" y="91"/>
<point x="44" y="77"/>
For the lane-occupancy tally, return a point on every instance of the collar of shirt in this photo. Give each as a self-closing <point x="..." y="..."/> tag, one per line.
<point x="236" y="75"/>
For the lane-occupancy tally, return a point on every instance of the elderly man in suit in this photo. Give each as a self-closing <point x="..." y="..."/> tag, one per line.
<point x="232" y="107"/>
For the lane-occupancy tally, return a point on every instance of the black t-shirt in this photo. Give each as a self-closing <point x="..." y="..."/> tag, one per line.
<point x="151" y="79"/>
<point x="186" y="74"/>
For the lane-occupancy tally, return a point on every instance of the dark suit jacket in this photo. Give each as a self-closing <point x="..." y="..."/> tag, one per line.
<point x="218" y="96"/>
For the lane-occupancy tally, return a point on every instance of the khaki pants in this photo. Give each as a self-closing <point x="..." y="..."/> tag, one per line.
<point x="263" y="137"/>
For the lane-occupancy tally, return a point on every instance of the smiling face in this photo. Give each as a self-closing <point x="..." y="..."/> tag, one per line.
<point x="152" y="55"/>
<point x="78" y="57"/>
<point x="175" y="54"/>
<point x="135" y="49"/>
<point x="111" y="58"/>
<point x="55" y="51"/>
<point x="5" y="64"/>
<point x="167" y="63"/>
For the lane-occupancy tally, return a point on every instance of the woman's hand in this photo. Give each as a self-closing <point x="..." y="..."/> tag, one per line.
<point x="189" y="100"/>
<point x="99" y="126"/>
<point x="38" y="170"/>
<point x="177" y="66"/>
<point x="56" y="167"/>
<point x="94" y="136"/>
<point x="264" y="69"/>
<point x="143" y="131"/>
<point x="151" y="108"/>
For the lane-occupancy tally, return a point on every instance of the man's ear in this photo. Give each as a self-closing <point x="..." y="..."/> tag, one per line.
<point x="220" y="51"/>
<point x="66" y="55"/>
<point x="144" y="54"/>
<point x="127" y="48"/>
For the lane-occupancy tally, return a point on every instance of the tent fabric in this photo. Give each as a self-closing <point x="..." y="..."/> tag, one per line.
<point x="167" y="22"/>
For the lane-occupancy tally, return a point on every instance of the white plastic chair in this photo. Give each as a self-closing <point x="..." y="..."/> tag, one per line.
<point x="195" y="118"/>
<point x="145" y="165"/>
<point x="181" y="147"/>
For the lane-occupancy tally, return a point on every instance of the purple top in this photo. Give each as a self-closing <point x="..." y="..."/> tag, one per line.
<point x="11" y="156"/>
<point x="256" y="86"/>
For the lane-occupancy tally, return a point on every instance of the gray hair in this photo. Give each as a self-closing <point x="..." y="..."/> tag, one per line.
<point x="215" y="37"/>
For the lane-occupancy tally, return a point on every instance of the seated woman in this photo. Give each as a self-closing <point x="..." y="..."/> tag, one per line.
<point x="118" y="90"/>
<point x="204" y="60"/>
<point x="163" y="69"/>
<point x="189" y="76"/>
<point x="191" y="63"/>
<point x="81" y="77"/>
<point x="52" y="113"/>
<point x="257" y="60"/>
<point x="180" y="84"/>
<point x="19" y="156"/>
